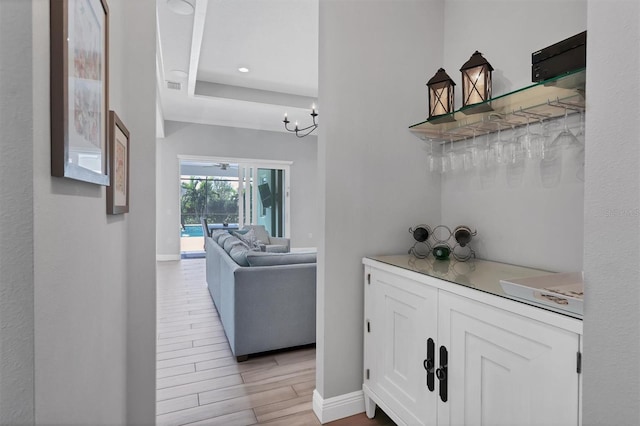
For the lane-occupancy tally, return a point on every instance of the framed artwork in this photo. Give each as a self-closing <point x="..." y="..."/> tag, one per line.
<point x="79" y="89"/>
<point x="118" y="190"/>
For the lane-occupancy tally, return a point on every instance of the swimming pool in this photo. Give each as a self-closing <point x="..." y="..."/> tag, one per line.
<point x="191" y="231"/>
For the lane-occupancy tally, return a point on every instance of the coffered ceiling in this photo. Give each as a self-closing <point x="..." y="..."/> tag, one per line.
<point x="202" y="44"/>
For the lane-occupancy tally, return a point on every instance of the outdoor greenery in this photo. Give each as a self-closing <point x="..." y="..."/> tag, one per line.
<point x="214" y="199"/>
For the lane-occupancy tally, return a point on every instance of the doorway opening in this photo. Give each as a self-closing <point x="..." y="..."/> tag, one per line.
<point x="229" y="194"/>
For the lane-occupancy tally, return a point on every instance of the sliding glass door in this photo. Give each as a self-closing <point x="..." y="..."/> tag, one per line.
<point x="264" y="197"/>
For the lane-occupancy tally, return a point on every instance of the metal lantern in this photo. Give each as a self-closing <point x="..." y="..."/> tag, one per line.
<point x="440" y="94"/>
<point x="476" y="80"/>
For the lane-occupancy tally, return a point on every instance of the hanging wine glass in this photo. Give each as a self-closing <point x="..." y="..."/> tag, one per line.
<point x="454" y="159"/>
<point x="580" y="135"/>
<point x="434" y="161"/>
<point x="471" y="154"/>
<point x="445" y="159"/>
<point x="551" y="162"/>
<point x="566" y="139"/>
<point x="498" y="147"/>
<point x="532" y="143"/>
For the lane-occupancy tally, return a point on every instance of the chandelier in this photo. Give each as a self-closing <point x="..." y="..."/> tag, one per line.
<point x="305" y="131"/>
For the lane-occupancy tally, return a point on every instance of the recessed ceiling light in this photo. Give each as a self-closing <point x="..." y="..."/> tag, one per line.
<point x="178" y="74"/>
<point x="243" y="69"/>
<point x="181" y="7"/>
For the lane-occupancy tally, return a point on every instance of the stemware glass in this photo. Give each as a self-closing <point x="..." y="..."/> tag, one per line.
<point x="454" y="159"/>
<point x="471" y="154"/>
<point x="579" y="158"/>
<point x="498" y="147"/>
<point x="566" y="139"/>
<point x="434" y="161"/>
<point x="532" y="143"/>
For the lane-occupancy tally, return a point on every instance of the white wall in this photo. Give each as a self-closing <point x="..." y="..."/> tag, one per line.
<point x="525" y="224"/>
<point x="16" y="213"/>
<point x="375" y="59"/>
<point x="218" y="141"/>
<point x="612" y="208"/>
<point x="87" y="354"/>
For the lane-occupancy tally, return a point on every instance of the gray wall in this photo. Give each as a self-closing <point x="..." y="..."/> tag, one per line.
<point x="16" y="213"/>
<point x="90" y="277"/>
<point x="374" y="58"/>
<point x="612" y="207"/>
<point x="526" y="224"/>
<point x="218" y="141"/>
<point x="137" y="72"/>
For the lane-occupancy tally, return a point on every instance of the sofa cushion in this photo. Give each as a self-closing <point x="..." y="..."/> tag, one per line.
<point x="239" y="254"/>
<point x="230" y="242"/>
<point x="218" y="233"/>
<point x="272" y="259"/>
<point x="223" y="238"/>
<point x="276" y="248"/>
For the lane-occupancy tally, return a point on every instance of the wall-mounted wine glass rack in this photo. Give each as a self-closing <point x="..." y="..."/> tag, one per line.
<point x="541" y="101"/>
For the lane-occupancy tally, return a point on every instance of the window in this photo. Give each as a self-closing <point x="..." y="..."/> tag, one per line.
<point x="225" y="191"/>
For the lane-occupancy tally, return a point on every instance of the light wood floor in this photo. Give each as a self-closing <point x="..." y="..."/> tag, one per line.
<point x="199" y="381"/>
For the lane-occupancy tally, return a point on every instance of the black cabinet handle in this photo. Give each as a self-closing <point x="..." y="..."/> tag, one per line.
<point x="441" y="373"/>
<point x="429" y="364"/>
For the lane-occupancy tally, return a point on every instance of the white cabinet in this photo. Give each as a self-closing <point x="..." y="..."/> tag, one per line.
<point x="498" y="363"/>
<point x="400" y="317"/>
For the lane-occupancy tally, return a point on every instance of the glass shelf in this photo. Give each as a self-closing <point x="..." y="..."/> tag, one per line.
<point x="541" y="101"/>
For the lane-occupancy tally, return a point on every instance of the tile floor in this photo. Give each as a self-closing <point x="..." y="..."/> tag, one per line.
<point x="199" y="381"/>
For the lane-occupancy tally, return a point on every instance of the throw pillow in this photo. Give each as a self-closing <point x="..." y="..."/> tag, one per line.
<point x="261" y="233"/>
<point x="218" y="233"/>
<point x="249" y="238"/>
<point x="230" y="242"/>
<point x="222" y="238"/>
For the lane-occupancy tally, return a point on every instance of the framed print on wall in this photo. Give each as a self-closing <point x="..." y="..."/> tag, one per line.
<point x="79" y="89"/>
<point x="118" y="190"/>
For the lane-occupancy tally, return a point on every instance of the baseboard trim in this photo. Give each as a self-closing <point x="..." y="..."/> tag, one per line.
<point x="167" y="257"/>
<point x="337" y="407"/>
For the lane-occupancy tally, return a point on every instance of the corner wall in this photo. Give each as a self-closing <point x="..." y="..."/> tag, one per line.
<point x="137" y="72"/>
<point x="612" y="210"/>
<point x="374" y="58"/>
<point x="217" y="141"/>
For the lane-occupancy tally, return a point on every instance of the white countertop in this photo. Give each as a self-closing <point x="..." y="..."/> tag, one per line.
<point x="482" y="275"/>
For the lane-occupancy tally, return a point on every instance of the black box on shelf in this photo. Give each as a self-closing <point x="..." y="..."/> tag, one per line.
<point x="559" y="58"/>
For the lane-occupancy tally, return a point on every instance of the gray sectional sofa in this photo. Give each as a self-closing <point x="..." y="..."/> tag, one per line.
<point x="266" y="301"/>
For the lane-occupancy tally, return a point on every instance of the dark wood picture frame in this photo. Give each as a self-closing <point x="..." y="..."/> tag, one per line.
<point x="79" y="89"/>
<point x="119" y="148"/>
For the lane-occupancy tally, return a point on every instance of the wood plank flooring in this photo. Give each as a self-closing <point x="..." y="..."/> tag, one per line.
<point x="199" y="381"/>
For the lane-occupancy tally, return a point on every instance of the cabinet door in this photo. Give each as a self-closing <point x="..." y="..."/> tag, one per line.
<point x="405" y="315"/>
<point x="505" y="369"/>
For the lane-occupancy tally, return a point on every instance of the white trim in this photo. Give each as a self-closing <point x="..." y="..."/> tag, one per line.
<point x="337" y="407"/>
<point x="215" y="159"/>
<point x="199" y="18"/>
<point x="167" y="257"/>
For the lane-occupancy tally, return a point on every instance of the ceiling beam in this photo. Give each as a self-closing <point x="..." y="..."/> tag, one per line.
<point x="199" y="18"/>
